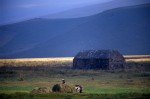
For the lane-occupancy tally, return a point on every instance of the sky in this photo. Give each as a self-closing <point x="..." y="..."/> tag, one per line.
<point x="17" y="10"/>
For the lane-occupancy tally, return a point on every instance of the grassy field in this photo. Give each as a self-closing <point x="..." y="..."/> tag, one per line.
<point x="53" y="62"/>
<point x="131" y="83"/>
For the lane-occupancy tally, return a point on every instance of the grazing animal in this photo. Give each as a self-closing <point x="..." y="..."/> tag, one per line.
<point x="78" y="88"/>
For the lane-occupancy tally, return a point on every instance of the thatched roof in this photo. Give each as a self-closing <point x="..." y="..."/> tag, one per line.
<point x="98" y="54"/>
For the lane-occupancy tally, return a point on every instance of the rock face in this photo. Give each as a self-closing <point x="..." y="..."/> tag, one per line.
<point x="98" y="59"/>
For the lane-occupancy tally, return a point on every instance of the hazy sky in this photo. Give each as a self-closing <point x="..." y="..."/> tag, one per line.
<point x="15" y="10"/>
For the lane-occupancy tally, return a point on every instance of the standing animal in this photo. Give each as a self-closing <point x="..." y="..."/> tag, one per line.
<point x="63" y="81"/>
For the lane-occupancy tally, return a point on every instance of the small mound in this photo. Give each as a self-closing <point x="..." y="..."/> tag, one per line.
<point x="40" y="90"/>
<point x="63" y="88"/>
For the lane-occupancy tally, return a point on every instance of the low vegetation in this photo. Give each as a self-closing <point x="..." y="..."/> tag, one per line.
<point x="133" y="82"/>
<point x="74" y="96"/>
<point x="67" y="61"/>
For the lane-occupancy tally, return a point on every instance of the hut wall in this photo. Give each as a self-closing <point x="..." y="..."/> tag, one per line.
<point x="99" y="59"/>
<point x="78" y="63"/>
<point x="91" y="63"/>
<point x="116" y="65"/>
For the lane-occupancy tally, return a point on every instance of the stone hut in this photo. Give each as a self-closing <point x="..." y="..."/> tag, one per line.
<point x="99" y="59"/>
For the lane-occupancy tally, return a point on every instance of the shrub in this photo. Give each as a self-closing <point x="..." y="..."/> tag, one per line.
<point x="56" y="88"/>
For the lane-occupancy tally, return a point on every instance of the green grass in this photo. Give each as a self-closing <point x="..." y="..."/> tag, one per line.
<point x="93" y="90"/>
<point x="73" y="96"/>
<point x="131" y="83"/>
<point x="13" y="89"/>
<point x="116" y="90"/>
<point x="93" y="81"/>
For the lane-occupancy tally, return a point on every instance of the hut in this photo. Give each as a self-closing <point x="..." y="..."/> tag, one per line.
<point x="98" y="59"/>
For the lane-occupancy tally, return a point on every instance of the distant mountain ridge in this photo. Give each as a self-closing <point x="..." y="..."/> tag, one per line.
<point x="95" y="9"/>
<point x="51" y="12"/>
<point x="125" y="29"/>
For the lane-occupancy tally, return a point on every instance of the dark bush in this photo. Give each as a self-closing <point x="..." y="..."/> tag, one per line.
<point x="56" y="88"/>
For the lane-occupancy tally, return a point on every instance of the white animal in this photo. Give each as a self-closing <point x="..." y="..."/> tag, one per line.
<point x="78" y="88"/>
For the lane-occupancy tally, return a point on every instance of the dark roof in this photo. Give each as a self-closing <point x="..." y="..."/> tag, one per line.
<point x="103" y="54"/>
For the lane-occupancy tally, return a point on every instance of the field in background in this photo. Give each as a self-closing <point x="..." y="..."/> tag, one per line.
<point x="137" y="58"/>
<point x="133" y="82"/>
<point x="64" y="61"/>
<point x="60" y="61"/>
